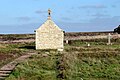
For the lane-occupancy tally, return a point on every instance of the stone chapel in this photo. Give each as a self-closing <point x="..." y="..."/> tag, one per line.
<point x="49" y="35"/>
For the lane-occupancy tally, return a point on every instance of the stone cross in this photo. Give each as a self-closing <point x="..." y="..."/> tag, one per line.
<point x="109" y="39"/>
<point x="49" y="12"/>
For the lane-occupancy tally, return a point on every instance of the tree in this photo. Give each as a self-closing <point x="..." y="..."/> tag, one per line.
<point x="117" y="30"/>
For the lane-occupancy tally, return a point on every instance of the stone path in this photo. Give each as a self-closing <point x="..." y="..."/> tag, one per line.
<point x="8" y="68"/>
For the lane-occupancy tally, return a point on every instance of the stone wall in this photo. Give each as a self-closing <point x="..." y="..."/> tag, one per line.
<point x="49" y="36"/>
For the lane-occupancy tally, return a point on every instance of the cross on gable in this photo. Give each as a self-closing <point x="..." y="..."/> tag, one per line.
<point x="49" y="12"/>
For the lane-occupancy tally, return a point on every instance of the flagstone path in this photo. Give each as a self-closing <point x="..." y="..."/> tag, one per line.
<point x="6" y="70"/>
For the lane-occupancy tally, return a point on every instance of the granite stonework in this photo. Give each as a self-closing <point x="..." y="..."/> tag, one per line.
<point x="49" y="36"/>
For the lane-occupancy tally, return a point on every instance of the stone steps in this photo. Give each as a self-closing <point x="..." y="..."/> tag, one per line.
<point x="2" y="71"/>
<point x="4" y="74"/>
<point x="7" y="69"/>
<point x="2" y="78"/>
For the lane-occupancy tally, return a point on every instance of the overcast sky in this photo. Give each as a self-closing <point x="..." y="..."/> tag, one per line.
<point x="25" y="16"/>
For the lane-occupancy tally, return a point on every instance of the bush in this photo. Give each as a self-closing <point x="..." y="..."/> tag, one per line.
<point x="117" y="30"/>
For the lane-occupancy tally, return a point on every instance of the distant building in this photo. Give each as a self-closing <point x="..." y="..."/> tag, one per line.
<point x="49" y="35"/>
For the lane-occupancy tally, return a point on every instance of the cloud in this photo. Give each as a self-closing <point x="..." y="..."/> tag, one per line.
<point x="99" y="6"/>
<point x="95" y="24"/>
<point x="25" y="18"/>
<point x="66" y="18"/>
<point x="100" y="15"/>
<point x="40" y="12"/>
<point x="113" y="6"/>
<point x="19" y="29"/>
<point x="105" y="23"/>
<point x="109" y="20"/>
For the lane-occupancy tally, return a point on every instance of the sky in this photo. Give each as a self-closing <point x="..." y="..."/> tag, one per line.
<point x="25" y="16"/>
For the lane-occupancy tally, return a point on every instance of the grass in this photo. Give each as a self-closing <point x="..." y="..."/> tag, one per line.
<point x="76" y="62"/>
<point x="36" y="68"/>
<point x="95" y="67"/>
<point x="14" y="50"/>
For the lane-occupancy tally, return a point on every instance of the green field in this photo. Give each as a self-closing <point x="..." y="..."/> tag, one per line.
<point x="76" y="62"/>
<point x="10" y="51"/>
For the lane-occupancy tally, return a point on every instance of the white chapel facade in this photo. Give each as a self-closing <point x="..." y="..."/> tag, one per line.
<point x="49" y="35"/>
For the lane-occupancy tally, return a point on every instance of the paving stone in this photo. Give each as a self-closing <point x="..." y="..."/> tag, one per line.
<point x="4" y="75"/>
<point x="8" y="68"/>
<point x="5" y="72"/>
<point x="2" y="78"/>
